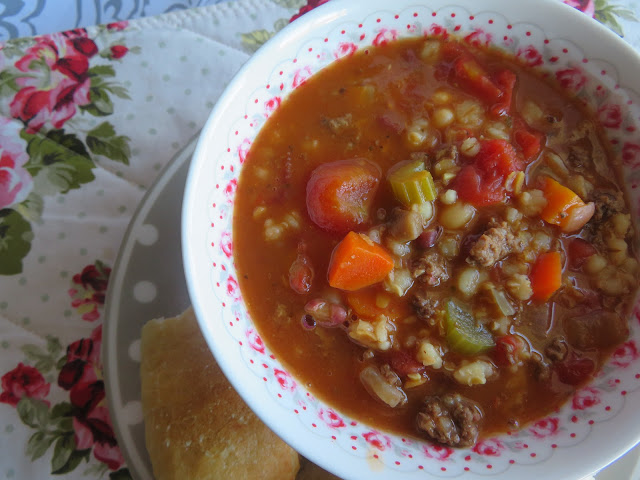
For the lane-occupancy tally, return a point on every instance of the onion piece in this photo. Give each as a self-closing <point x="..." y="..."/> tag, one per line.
<point x="501" y="301"/>
<point x="379" y="387"/>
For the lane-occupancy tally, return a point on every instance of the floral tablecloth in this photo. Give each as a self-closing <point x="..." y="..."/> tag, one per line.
<point x="88" y="119"/>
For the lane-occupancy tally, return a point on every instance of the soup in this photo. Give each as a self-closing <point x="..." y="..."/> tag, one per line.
<point x="434" y="241"/>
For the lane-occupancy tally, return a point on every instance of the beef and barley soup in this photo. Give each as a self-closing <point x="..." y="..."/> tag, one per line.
<point x="434" y="241"/>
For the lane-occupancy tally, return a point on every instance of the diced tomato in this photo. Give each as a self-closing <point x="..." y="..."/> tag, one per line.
<point x="529" y="140"/>
<point x="506" y="80"/>
<point x="579" y="250"/>
<point x="482" y="183"/>
<point x="469" y="74"/>
<point x="472" y="189"/>
<point x="403" y="364"/>
<point x="497" y="157"/>
<point x="462" y="69"/>
<point x="507" y="350"/>
<point x="339" y="194"/>
<point x="574" y="370"/>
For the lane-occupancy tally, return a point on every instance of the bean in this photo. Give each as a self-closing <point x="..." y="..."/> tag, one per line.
<point x="449" y="247"/>
<point x="621" y="223"/>
<point x="456" y="216"/>
<point x="468" y="281"/>
<point x="594" y="264"/>
<point x="428" y="238"/>
<point x="617" y="250"/>
<point x="443" y="117"/>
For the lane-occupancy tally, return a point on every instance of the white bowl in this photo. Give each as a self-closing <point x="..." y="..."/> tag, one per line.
<point x="598" y="425"/>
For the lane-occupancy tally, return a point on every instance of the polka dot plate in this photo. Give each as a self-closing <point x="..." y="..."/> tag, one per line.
<point x="147" y="282"/>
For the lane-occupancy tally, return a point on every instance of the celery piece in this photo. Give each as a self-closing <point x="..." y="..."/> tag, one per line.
<point x="402" y="169"/>
<point x="464" y="336"/>
<point x="412" y="184"/>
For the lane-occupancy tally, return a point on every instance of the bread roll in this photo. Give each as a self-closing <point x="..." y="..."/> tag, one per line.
<point x="196" y="426"/>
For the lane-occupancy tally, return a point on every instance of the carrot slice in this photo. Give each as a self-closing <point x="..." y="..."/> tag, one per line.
<point x="565" y="208"/>
<point x="364" y="304"/>
<point x="358" y="262"/>
<point x="546" y="276"/>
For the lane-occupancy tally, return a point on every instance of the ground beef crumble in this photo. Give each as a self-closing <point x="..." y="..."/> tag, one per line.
<point x="430" y="268"/>
<point x="494" y="245"/>
<point x="425" y="306"/>
<point x="451" y="419"/>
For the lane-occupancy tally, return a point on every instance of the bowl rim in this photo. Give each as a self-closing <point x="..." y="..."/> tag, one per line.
<point x="295" y="34"/>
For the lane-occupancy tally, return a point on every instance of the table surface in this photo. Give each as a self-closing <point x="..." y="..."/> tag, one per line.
<point x="89" y="118"/>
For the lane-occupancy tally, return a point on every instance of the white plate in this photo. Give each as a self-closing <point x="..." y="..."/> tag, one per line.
<point x="147" y="282"/>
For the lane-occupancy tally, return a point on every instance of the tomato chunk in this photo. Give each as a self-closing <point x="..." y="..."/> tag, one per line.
<point x="497" y="158"/>
<point x="506" y="80"/>
<point x="339" y="194"/>
<point x="482" y="182"/>
<point x="469" y="74"/>
<point x="529" y="141"/>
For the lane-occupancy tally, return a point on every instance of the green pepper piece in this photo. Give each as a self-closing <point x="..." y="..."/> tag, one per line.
<point x="464" y="336"/>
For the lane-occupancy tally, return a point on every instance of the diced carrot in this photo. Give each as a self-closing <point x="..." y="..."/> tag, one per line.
<point x="357" y="262"/>
<point x="364" y="303"/>
<point x="506" y="80"/>
<point x="559" y="200"/>
<point x="546" y="276"/>
<point x="564" y="207"/>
